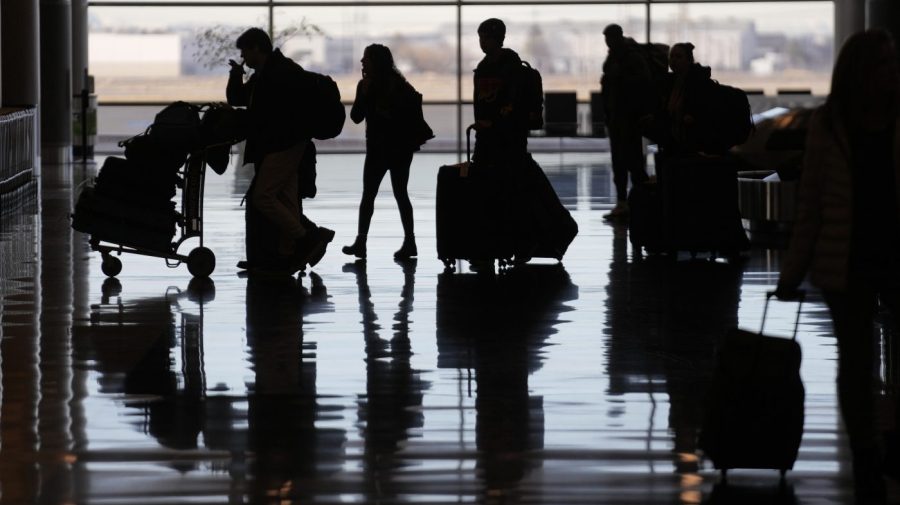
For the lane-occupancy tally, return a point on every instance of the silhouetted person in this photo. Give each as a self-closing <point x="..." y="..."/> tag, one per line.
<point x="501" y="135"/>
<point x="501" y="120"/>
<point x="847" y="229"/>
<point x="392" y="109"/>
<point x="681" y="112"/>
<point x="627" y="96"/>
<point x="277" y="136"/>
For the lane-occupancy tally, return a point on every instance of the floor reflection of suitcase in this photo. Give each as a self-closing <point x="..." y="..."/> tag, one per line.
<point x="755" y="410"/>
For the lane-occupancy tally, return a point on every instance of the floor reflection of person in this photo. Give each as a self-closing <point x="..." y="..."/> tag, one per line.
<point x="498" y="326"/>
<point x="287" y="448"/>
<point x="391" y="409"/>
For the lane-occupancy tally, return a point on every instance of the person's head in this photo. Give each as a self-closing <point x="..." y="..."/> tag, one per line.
<point x="255" y="46"/>
<point x="865" y="79"/>
<point x="614" y="36"/>
<point x="377" y="61"/>
<point x="491" y="33"/>
<point x="681" y="57"/>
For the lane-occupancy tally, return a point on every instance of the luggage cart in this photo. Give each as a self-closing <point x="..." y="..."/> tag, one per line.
<point x="200" y="261"/>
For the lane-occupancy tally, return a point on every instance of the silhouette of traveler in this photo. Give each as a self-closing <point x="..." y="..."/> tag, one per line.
<point x="277" y="137"/>
<point x="501" y="120"/>
<point x="392" y="109"/>
<point x="848" y="227"/>
<point x="678" y="120"/>
<point x="626" y="95"/>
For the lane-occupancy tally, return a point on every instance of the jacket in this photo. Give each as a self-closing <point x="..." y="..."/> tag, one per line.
<point x="274" y="97"/>
<point x="820" y="243"/>
<point x="498" y="98"/>
<point x="626" y="84"/>
<point x="392" y="110"/>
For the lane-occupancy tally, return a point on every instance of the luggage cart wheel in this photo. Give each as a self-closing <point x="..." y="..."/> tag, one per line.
<point x="111" y="266"/>
<point x="201" y="262"/>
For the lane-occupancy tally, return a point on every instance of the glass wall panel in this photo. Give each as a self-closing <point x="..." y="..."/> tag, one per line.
<point x="564" y="42"/>
<point x="421" y="38"/>
<point x="767" y="46"/>
<point x="165" y="53"/>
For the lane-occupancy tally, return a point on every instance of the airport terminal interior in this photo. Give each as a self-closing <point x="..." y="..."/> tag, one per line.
<point x="585" y="380"/>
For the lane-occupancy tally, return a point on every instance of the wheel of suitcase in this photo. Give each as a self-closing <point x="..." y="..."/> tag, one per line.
<point x="111" y="266"/>
<point x="201" y="262"/>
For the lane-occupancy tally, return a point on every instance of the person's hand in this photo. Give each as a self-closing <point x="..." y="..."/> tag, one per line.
<point x="364" y="84"/>
<point x="236" y="67"/>
<point x="646" y="121"/>
<point x="482" y="124"/>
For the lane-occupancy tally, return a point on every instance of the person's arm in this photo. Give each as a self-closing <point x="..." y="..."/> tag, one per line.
<point x="237" y="92"/>
<point x="808" y="220"/>
<point x="360" y="102"/>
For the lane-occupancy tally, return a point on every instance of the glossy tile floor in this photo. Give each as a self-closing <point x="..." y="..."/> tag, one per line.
<point x="381" y="382"/>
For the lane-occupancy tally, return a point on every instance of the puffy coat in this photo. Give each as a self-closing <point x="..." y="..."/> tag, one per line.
<point x="820" y="244"/>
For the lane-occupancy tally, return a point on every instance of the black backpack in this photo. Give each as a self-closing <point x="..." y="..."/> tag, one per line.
<point x="729" y="121"/>
<point x="531" y="86"/>
<point x="323" y="106"/>
<point x="177" y="126"/>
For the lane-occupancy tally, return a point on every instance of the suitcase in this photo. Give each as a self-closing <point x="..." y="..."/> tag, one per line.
<point x="469" y="209"/>
<point x="700" y="205"/>
<point x="545" y="227"/>
<point x="125" y="224"/>
<point x="121" y="179"/>
<point x="754" y="416"/>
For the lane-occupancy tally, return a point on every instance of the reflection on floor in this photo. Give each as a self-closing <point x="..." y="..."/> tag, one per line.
<point x="381" y="382"/>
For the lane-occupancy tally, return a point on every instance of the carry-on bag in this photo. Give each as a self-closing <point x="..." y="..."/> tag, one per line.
<point x="545" y="228"/>
<point x="700" y="205"/>
<point x="468" y="224"/>
<point x="754" y="416"/>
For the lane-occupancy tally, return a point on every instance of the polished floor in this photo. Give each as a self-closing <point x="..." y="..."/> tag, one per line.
<point x="381" y="382"/>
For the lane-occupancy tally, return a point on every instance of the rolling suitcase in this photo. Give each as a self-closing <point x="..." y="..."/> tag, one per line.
<point x="754" y="416"/>
<point x="700" y="205"/>
<point x="468" y="224"/>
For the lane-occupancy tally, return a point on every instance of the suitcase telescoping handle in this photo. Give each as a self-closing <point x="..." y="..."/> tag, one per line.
<point x="800" y="297"/>
<point x="469" y="141"/>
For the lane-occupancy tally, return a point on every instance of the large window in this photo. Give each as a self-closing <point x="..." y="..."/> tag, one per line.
<point x="152" y="53"/>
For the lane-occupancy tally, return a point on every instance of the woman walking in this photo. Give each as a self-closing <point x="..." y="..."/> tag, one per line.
<point x="395" y="129"/>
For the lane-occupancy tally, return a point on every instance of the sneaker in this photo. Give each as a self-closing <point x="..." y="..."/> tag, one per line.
<point x="323" y="237"/>
<point x="619" y="212"/>
<point x="407" y="250"/>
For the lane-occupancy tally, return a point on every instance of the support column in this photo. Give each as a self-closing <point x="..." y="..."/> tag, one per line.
<point x="849" y="18"/>
<point x="56" y="81"/>
<point x="884" y="14"/>
<point x="20" y="45"/>
<point x="79" y="44"/>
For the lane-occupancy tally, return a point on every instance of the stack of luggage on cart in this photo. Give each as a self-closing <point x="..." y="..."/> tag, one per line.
<point x="130" y="203"/>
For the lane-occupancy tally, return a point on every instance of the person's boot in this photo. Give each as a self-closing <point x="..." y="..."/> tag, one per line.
<point x="618" y="213"/>
<point x="407" y="250"/>
<point x="357" y="248"/>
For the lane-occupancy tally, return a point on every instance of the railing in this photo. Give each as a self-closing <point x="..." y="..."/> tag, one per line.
<point x="17" y="147"/>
